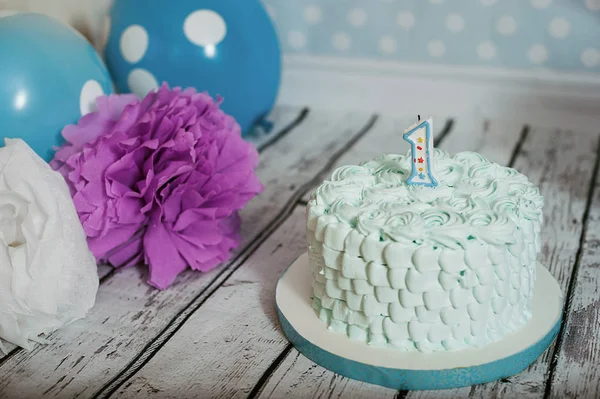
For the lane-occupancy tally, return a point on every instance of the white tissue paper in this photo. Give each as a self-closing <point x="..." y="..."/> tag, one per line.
<point x="48" y="276"/>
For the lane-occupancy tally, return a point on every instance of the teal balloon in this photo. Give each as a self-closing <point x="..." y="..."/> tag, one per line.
<point x="227" y="48"/>
<point x="49" y="76"/>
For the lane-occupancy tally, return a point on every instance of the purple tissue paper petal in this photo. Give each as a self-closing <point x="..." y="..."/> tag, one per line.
<point x="160" y="180"/>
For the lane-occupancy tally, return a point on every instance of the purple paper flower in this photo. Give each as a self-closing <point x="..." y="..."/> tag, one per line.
<point x="160" y="180"/>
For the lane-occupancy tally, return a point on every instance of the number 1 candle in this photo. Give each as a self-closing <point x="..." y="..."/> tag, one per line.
<point x="420" y="137"/>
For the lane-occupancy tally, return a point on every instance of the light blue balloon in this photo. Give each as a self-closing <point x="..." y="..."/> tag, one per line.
<point x="49" y="74"/>
<point x="225" y="47"/>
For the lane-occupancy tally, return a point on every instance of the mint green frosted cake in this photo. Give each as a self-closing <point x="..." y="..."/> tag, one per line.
<point x="424" y="269"/>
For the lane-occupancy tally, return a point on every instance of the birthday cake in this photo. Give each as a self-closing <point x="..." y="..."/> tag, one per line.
<point x="424" y="267"/>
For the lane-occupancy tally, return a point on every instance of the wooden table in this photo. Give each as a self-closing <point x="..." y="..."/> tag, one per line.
<point x="216" y="334"/>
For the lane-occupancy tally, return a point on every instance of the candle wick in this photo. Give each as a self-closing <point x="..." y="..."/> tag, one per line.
<point x="418" y="118"/>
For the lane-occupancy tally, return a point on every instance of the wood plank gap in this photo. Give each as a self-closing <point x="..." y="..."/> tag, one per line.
<point x="284" y="132"/>
<point x="573" y="281"/>
<point x="108" y="275"/>
<point x="180" y="318"/>
<point x="10" y="354"/>
<point x="519" y="146"/>
<point x="446" y="131"/>
<point x="401" y="395"/>
<point x="264" y="378"/>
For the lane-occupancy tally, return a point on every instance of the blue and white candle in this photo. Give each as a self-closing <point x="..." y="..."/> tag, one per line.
<point x="420" y="137"/>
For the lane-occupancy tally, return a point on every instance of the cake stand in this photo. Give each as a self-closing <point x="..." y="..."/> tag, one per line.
<point x="414" y="370"/>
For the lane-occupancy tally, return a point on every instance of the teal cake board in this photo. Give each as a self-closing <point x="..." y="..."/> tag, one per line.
<point x="414" y="370"/>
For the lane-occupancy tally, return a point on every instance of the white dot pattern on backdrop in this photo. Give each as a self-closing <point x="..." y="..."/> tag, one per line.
<point x="141" y="82"/>
<point x="297" y="39"/>
<point x="357" y="17"/>
<point x="312" y="14"/>
<point x="406" y="19"/>
<point x="559" y="28"/>
<point x="590" y="57"/>
<point x="388" y="45"/>
<point x="540" y="4"/>
<point x="513" y="34"/>
<point x="537" y="54"/>
<point x="205" y="28"/>
<point x="87" y="98"/>
<point x="506" y="25"/>
<point x="134" y="43"/>
<point x="436" y="48"/>
<point x="455" y="22"/>
<point x="341" y="41"/>
<point x="486" y="50"/>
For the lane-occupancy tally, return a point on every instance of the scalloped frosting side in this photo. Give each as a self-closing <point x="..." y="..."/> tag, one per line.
<point x="427" y="269"/>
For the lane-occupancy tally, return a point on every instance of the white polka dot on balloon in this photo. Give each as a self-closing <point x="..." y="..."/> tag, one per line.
<point x="134" y="43"/>
<point x="537" y="54"/>
<point x="313" y="14"/>
<point x="540" y="4"/>
<point x="357" y="17"/>
<point x="593" y="5"/>
<point x="405" y="19"/>
<point x="559" y="28"/>
<point x="506" y="25"/>
<point x="90" y="91"/>
<point x="7" y="13"/>
<point x="455" y="22"/>
<point x="486" y="50"/>
<point x="296" y="39"/>
<point x="205" y="28"/>
<point x="590" y="57"/>
<point x="341" y="41"/>
<point x="436" y="48"/>
<point x="488" y="3"/>
<point x="388" y="45"/>
<point x="141" y="82"/>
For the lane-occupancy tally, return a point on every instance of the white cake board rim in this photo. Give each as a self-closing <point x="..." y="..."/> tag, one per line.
<point x="415" y="370"/>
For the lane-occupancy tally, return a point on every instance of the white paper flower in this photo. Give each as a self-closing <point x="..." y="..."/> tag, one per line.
<point x="48" y="276"/>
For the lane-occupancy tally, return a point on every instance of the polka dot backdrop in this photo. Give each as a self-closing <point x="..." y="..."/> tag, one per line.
<point x="555" y="34"/>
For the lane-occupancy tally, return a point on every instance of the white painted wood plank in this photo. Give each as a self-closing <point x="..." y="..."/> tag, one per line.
<point x="283" y="117"/>
<point x="577" y="368"/>
<point x="298" y="377"/>
<point x="129" y="314"/>
<point x="302" y="375"/>
<point x="385" y="137"/>
<point x="493" y="139"/>
<point x="227" y="344"/>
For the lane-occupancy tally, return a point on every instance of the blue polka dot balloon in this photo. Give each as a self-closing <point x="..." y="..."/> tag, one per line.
<point x="228" y="48"/>
<point x="50" y="75"/>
